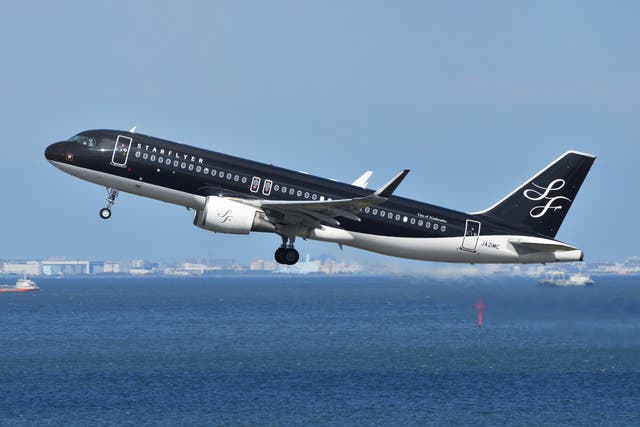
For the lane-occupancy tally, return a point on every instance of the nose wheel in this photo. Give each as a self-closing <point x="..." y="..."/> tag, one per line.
<point x="112" y="194"/>
<point x="287" y="254"/>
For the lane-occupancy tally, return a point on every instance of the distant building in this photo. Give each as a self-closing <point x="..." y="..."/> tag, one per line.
<point x="262" y="265"/>
<point x="137" y="263"/>
<point x="139" y="271"/>
<point x="270" y="266"/>
<point x="328" y="267"/>
<point x="303" y="267"/>
<point x="189" y="269"/>
<point x="65" y="267"/>
<point x="344" y="268"/>
<point x="256" y="265"/>
<point x="96" y="267"/>
<point x="112" y="268"/>
<point x="141" y="267"/>
<point x="30" y="268"/>
<point x="222" y="263"/>
<point x="633" y="262"/>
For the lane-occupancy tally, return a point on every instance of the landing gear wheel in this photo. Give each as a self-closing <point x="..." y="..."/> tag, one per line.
<point x="287" y="256"/>
<point x="105" y="213"/>
<point x="279" y="255"/>
<point x="291" y="256"/>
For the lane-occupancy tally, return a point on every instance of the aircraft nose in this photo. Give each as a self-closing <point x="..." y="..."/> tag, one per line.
<point x="54" y="152"/>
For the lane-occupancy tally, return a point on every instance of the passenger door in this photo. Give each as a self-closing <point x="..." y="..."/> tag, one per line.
<point x="471" y="235"/>
<point x="121" y="151"/>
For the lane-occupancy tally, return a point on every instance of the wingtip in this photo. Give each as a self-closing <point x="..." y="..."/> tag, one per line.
<point x="387" y="190"/>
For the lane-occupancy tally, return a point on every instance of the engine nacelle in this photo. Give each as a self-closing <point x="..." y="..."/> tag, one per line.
<point x="226" y="216"/>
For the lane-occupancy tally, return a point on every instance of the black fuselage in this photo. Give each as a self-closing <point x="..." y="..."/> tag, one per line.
<point x="203" y="172"/>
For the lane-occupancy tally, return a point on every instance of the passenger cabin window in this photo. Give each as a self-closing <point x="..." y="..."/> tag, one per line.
<point x="84" y="140"/>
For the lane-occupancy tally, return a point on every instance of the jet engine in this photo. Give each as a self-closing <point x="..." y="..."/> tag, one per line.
<point x="227" y="216"/>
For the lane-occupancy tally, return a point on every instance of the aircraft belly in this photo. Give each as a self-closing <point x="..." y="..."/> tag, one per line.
<point x="132" y="186"/>
<point x="489" y="249"/>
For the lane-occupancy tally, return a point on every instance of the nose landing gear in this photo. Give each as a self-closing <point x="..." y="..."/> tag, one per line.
<point x="112" y="194"/>
<point x="287" y="254"/>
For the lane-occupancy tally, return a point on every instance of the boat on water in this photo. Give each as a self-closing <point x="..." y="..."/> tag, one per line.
<point x="560" y="278"/>
<point x="22" y="285"/>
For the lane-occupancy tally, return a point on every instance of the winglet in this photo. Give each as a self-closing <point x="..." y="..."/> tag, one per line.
<point x="387" y="190"/>
<point x="363" y="181"/>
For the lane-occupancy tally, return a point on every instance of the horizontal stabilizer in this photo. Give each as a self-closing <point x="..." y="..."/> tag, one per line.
<point x="558" y="251"/>
<point x="541" y="247"/>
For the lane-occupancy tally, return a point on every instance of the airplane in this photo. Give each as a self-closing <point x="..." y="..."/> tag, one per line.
<point x="237" y="196"/>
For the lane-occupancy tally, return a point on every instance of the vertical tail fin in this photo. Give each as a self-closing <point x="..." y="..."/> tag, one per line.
<point x="539" y="206"/>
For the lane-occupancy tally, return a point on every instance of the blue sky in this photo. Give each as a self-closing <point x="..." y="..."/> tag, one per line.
<point x="473" y="97"/>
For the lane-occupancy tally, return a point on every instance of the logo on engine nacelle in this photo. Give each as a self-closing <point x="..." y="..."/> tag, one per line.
<point x="225" y="217"/>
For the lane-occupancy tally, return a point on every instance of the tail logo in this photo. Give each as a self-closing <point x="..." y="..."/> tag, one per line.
<point x="544" y="194"/>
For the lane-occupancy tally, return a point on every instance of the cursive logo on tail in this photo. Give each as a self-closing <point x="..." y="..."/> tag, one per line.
<point x="545" y="193"/>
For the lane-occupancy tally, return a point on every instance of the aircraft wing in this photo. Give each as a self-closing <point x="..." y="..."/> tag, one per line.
<point x="324" y="212"/>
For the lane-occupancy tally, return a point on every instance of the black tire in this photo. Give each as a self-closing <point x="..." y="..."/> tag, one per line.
<point x="279" y="256"/>
<point x="105" y="213"/>
<point x="291" y="256"/>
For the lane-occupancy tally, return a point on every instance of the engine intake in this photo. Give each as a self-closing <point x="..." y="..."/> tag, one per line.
<point x="227" y="216"/>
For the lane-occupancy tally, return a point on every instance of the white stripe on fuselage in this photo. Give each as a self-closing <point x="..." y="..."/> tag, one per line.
<point x="489" y="249"/>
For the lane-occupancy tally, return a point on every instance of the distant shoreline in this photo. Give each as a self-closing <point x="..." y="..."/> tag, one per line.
<point x="286" y="276"/>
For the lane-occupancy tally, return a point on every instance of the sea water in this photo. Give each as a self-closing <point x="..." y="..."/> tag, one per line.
<point x="320" y="351"/>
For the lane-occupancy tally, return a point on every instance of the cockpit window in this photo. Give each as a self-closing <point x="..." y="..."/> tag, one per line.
<point x="84" y="140"/>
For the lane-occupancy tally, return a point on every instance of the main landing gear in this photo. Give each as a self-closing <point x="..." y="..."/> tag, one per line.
<point x="287" y="254"/>
<point x="112" y="194"/>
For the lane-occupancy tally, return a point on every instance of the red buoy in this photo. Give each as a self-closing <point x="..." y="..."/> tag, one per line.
<point x="480" y="308"/>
